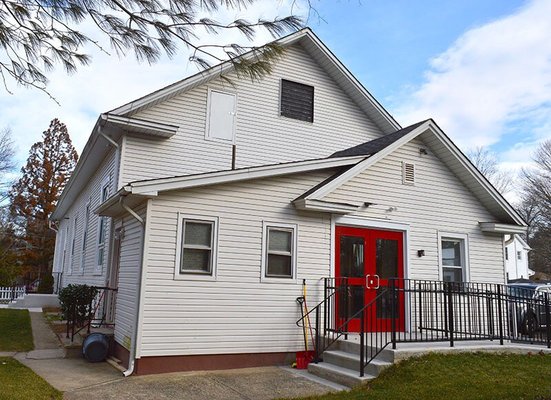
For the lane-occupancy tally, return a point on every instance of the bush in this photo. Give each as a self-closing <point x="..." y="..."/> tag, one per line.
<point x="46" y="285"/>
<point x="77" y="299"/>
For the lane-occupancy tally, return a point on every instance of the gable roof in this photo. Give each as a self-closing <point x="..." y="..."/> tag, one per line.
<point x="349" y="166"/>
<point x="448" y="153"/>
<point x="376" y="145"/>
<point x="151" y="187"/>
<point x="314" y="47"/>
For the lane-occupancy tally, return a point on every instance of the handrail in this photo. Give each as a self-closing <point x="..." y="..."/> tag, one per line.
<point x="93" y="308"/>
<point x="409" y="310"/>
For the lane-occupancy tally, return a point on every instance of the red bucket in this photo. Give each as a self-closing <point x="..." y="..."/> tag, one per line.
<point x="304" y="358"/>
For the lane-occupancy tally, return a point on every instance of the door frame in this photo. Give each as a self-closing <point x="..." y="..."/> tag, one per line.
<point x="368" y="223"/>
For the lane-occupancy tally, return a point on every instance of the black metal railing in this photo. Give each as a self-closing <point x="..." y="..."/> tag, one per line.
<point x="406" y="310"/>
<point x="95" y="313"/>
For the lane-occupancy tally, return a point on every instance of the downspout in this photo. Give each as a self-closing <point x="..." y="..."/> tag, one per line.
<point x="131" y="359"/>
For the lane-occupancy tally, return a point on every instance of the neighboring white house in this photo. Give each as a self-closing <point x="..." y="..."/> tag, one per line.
<point x="207" y="204"/>
<point x="516" y="258"/>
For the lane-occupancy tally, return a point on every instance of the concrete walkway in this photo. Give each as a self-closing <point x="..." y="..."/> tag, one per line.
<point x="80" y="379"/>
<point x="262" y="383"/>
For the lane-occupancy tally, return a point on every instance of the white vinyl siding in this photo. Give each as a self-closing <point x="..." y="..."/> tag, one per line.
<point x="211" y="317"/>
<point x="437" y="202"/>
<point x="90" y="194"/>
<point x="262" y="136"/>
<point x="129" y="276"/>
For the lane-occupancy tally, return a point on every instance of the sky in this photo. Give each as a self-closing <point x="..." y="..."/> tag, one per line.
<point x="481" y="69"/>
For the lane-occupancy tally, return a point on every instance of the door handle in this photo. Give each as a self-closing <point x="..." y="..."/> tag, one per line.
<point x="372" y="281"/>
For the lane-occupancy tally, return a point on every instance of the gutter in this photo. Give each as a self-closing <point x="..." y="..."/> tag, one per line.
<point x="134" y="342"/>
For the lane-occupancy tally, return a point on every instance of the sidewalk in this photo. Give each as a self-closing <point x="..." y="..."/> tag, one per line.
<point x="80" y="379"/>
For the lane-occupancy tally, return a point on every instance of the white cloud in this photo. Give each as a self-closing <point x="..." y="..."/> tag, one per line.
<point x="493" y="83"/>
<point x="110" y="82"/>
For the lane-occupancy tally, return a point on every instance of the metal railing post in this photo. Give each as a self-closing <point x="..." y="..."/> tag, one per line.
<point x="362" y="343"/>
<point x="346" y="303"/>
<point x="450" y="311"/>
<point x="547" y="320"/>
<point x="499" y="315"/>
<point x="317" y="345"/>
<point x="393" y="300"/>
<point x="325" y="308"/>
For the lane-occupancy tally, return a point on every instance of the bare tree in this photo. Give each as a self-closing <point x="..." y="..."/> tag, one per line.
<point x="36" y="35"/>
<point x="486" y="161"/>
<point x="537" y="205"/>
<point x="6" y="161"/>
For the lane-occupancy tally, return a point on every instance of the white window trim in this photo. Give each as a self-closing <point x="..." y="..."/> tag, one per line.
<point x="190" y="276"/>
<point x="85" y="231"/>
<point x="98" y="268"/>
<point x="454" y="236"/>
<point x="207" y="122"/>
<point x="294" y="255"/>
<point x="73" y="244"/>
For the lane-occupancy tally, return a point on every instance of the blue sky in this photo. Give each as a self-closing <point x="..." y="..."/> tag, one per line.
<point x="482" y="69"/>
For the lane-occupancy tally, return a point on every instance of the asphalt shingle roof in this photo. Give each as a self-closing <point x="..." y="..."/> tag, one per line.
<point x="374" y="146"/>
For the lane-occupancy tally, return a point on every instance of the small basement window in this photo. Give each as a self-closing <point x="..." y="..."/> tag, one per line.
<point x="279" y="251"/>
<point x="297" y="101"/>
<point x="197" y="246"/>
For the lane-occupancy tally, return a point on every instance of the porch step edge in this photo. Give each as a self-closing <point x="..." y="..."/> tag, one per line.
<point x="340" y="375"/>
<point x="352" y="361"/>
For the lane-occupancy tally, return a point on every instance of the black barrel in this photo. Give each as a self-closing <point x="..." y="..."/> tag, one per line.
<point x="95" y="347"/>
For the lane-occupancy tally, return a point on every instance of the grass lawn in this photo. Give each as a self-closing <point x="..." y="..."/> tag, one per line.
<point x="459" y="376"/>
<point x="19" y="382"/>
<point x="15" y="330"/>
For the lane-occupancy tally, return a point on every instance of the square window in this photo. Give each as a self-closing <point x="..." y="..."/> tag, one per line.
<point x="197" y="247"/>
<point x="279" y="258"/>
<point x="297" y="101"/>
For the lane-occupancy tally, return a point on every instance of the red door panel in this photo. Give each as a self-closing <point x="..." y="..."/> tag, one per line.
<point x="365" y="261"/>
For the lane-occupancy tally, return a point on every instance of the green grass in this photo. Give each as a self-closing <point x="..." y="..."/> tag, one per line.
<point x="15" y="330"/>
<point x="19" y="382"/>
<point x="459" y="376"/>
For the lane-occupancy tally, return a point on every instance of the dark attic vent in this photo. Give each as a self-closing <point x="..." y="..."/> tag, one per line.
<point x="297" y="101"/>
<point x="408" y="173"/>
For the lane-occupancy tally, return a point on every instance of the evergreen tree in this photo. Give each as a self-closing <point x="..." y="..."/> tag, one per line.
<point x="34" y="196"/>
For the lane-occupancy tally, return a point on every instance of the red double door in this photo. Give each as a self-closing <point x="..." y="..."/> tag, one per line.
<point x="365" y="261"/>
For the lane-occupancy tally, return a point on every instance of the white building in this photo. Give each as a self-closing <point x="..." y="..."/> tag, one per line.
<point x="207" y="204"/>
<point x="516" y="258"/>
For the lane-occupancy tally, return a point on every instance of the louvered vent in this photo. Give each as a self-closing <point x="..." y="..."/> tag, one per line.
<point x="297" y="101"/>
<point x="408" y="173"/>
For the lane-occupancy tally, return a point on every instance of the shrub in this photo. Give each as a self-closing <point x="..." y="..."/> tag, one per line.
<point x="77" y="298"/>
<point x="46" y="284"/>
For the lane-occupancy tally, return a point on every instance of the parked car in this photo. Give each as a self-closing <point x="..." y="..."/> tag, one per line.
<point x="527" y="307"/>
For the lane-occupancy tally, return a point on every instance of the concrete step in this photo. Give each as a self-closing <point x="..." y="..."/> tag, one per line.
<point x="351" y="347"/>
<point x="340" y="375"/>
<point x="352" y="362"/>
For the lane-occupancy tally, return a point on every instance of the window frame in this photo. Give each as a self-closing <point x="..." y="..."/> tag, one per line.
<point x="280" y="110"/>
<point x="102" y="227"/>
<point x="195" y="275"/>
<point x="85" y="235"/>
<point x="266" y="226"/>
<point x="519" y="255"/>
<point x="72" y="250"/>
<point x="207" y="122"/>
<point x="464" y="239"/>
